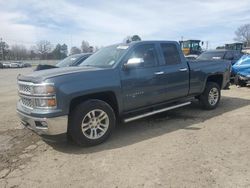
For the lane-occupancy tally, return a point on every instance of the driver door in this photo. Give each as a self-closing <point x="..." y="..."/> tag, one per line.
<point x="140" y="83"/>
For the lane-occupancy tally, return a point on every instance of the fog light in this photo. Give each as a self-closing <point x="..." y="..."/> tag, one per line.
<point x="41" y="124"/>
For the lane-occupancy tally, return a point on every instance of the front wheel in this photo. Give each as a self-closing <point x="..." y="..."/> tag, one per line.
<point x="91" y="122"/>
<point x="210" y="98"/>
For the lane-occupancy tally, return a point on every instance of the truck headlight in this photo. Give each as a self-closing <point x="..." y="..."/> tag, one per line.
<point x="45" y="103"/>
<point x="43" y="89"/>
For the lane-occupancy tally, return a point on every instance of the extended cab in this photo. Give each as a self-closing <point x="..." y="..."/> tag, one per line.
<point x="119" y="82"/>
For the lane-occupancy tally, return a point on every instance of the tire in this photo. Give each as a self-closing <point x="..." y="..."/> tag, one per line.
<point x="210" y="98"/>
<point x="86" y="124"/>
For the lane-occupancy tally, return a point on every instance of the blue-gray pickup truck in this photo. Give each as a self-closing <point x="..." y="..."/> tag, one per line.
<point x="122" y="82"/>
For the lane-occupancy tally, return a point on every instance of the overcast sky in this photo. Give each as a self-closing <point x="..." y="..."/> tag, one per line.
<point x="106" y="22"/>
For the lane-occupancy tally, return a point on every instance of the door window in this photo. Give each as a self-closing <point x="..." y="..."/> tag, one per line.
<point x="171" y="54"/>
<point x="147" y="52"/>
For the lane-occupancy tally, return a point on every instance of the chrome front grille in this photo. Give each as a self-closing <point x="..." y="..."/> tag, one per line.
<point x="25" y="87"/>
<point x="28" y="102"/>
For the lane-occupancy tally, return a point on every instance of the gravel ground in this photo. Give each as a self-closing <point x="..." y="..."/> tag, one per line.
<point x="186" y="147"/>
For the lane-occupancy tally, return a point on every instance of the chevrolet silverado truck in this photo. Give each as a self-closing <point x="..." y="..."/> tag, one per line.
<point x="122" y="82"/>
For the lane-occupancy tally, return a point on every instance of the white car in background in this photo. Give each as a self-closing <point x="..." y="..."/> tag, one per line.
<point x="17" y="64"/>
<point x="6" y="64"/>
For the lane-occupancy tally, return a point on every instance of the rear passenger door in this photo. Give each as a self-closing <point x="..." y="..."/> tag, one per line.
<point x="175" y="72"/>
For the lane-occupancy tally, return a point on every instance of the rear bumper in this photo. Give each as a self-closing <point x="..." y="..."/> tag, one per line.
<point x="45" y="126"/>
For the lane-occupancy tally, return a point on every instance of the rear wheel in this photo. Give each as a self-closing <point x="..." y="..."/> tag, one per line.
<point x="211" y="96"/>
<point x="91" y="122"/>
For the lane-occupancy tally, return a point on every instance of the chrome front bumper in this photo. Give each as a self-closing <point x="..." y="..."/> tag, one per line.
<point x="45" y="126"/>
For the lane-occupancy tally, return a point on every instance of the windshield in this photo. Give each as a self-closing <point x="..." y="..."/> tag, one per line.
<point x="186" y="44"/>
<point x="105" y="57"/>
<point x="68" y="60"/>
<point x="211" y="55"/>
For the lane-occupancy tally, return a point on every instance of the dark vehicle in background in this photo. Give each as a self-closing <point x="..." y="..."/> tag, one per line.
<point x="241" y="70"/>
<point x="122" y="82"/>
<point x="73" y="60"/>
<point x="228" y="55"/>
<point x="1" y="65"/>
<point x="27" y="65"/>
<point x="234" y="46"/>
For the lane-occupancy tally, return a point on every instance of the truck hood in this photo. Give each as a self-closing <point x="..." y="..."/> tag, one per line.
<point x="39" y="76"/>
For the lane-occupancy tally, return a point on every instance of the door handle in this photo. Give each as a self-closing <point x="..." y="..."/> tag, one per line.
<point x="183" y="69"/>
<point x="159" y="73"/>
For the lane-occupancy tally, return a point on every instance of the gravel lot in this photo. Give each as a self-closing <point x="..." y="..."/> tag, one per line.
<point x="186" y="147"/>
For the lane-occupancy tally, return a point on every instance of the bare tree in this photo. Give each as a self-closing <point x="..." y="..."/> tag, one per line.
<point x="18" y="52"/>
<point x="243" y="34"/>
<point x="85" y="47"/>
<point x="43" y="47"/>
<point x="32" y="52"/>
<point x="75" y="50"/>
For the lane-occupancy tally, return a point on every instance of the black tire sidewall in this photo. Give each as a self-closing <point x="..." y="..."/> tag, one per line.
<point x="79" y="113"/>
<point x="204" y="97"/>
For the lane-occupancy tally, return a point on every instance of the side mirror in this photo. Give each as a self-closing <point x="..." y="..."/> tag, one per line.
<point x="133" y="62"/>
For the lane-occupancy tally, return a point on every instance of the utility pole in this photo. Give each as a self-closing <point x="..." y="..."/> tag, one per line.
<point x="1" y="45"/>
<point x="206" y="45"/>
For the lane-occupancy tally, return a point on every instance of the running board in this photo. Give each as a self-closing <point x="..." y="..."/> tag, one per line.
<point x="155" y="112"/>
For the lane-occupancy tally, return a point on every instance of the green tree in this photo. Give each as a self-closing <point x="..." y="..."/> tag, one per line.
<point x="75" y="50"/>
<point x="129" y="39"/>
<point x="136" y="38"/>
<point x="64" y="50"/>
<point x="60" y="52"/>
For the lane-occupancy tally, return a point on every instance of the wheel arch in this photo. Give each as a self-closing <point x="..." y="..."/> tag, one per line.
<point x="216" y="78"/>
<point x="107" y="96"/>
